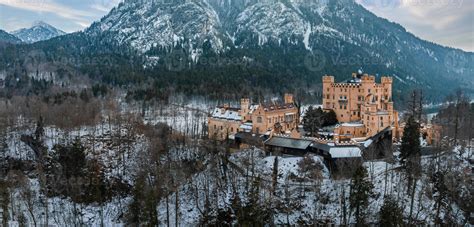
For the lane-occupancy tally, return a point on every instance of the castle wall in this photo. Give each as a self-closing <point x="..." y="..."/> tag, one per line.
<point x="220" y="129"/>
<point x="265" y="120"/>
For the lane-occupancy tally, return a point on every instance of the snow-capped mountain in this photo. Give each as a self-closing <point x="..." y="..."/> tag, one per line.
<point x="275" y="44"/>
<point x="38" y="32"/>
<point x="342" y="32"/>
<point x="6" y="37"/>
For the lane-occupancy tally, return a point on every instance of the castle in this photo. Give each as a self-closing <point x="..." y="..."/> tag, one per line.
<point x="362" y="106"/>
<point x="363" y="109"/>
<point x="281" y="117"/>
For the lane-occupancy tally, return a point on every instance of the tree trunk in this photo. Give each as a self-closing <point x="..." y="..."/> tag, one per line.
<point x="176" y="207"/>
<point x="411" y="202"/>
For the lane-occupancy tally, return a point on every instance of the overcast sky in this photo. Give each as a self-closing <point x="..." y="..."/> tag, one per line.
<point x="447" y="22"/>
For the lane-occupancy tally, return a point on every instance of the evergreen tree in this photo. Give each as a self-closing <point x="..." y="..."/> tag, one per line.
<point x="254" y="213"/>
<point x="275" y="176"/>
<point x="330" y="118"/>
<point x="390" y="213"/>
<point x="72" y="159"/>
<point x="361" y="190"/>
<point x="315" y="119"/>
<point x="440" y="193"/>
<point x="410" y="141"/>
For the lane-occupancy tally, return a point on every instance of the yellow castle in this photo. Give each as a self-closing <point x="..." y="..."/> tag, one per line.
<point x="362" y="106"/>
<point x="281" y="117"/>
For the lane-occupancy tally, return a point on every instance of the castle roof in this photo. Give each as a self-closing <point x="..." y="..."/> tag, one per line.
<point x="231" y="114"/>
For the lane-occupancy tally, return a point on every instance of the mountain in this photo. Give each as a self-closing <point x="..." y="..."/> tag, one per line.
<point x="242" y="46"/>
<point x="341" y="33"/>
<point x="38" y="32"/>
<point x="6" y="37"/>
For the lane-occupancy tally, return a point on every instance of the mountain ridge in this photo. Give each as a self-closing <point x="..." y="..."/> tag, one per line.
<point x="278" y="45"/>
<point x="6" y="37"/>
<point x="39" y="31"/>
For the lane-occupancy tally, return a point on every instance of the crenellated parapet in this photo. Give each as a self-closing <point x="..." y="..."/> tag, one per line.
<point x="368" y="79"/>
<point x="328" y="79"/>
<point x="387" y="80"/>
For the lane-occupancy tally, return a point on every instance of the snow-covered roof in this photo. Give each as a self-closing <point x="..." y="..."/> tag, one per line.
<point x="247" y="126"/>
<point x="253" y="108"/>
<point x="368" y="142"/>
<point x="345" y="152"/>
<point x="352" y="124"/>
<point x="226" y="114"/>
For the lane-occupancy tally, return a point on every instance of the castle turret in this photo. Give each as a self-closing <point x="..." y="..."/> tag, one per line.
<point x="387" y="86"/>
<point x="288" y="98"/>
<point x="244" y="107"/>
<point x="328" y="81"/>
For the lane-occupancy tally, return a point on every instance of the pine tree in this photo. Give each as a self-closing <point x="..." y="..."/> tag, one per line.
<point x="275" y="176"/>
<point x="440" y="193"/>
<point x="330" y="118"/>
<point x="361" y="190"/>
<point x="313" y="120"/>
<point x="390" y="213"/>
<point x="410" y="141"/>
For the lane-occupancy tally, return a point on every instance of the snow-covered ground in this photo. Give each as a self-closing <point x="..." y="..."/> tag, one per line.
<point x="297" y="199"/>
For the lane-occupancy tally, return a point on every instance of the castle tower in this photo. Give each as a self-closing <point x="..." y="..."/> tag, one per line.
<point x="327" y="93"/>
<point x="244" y="107"/>
<point x="288" y="98"/>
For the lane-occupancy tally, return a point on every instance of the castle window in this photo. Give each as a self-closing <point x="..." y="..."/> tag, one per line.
<point x="369" y="90"/>
<point x="222" y="127"/>
<point x="259" y="119"/>
<point x="215" y="126"/>
<point x="327" y="96"/>
<point x="232" y="129"/>
<point x="342" y="115"/>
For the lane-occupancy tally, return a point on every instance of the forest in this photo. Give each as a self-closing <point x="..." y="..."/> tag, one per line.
<point x="104" y="156"/>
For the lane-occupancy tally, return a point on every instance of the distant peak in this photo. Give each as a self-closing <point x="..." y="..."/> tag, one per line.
<point x="41" y="24"/>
